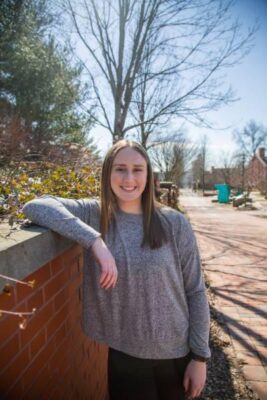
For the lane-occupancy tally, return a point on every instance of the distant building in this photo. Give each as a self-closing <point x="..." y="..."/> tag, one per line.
<point x="231" y="176"/>
<point x="256" y="173"/>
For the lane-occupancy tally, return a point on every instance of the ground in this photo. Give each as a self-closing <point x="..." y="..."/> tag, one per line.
<point x="233" y="249"/>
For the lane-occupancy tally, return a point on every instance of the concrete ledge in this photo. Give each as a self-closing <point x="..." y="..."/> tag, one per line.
<point x="25" y="250"/>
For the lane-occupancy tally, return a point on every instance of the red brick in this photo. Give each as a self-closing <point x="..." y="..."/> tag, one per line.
<point x="22" y="292"/>
<point x="36" y="300"/>
<point x="56" y="321"/>
<point x="48" y="389"/>
<point x="21" y="307"/>
<point x="57" y="393"/>
<point x="44" y="367"/>
<point x="57" y="265"/>
<point x="73" y="252"/>
<point x="38" y="364"/>
<point x="81" y="261"/>
<point x="75" y="307"/>
<point x="9" y="351"/>
<point x="76" y="330"/>
<point x="73" y="392"/>
<point x="74" y="267"/>
<point x="9" y="324"/>
<point x="56" y="284"/>
<point x="7" y="301"/>
<point x="60" y="359"/>
<point x="39" y="384"/>
<point x="65" y="365"/>
<point x="69" y="376"/>
<point x="60" y="335"/>
<point x="74" y="318"/>
<point x="78" y="357"/>
<point x="11" y="373"/>
<point x="61" y="298"/>
<point x="37" y="343"/>
<point x="37" y="322"/>
<point x="15" y="392"/>
<point x="40" y="276"/>
<point x="74" y="285"/>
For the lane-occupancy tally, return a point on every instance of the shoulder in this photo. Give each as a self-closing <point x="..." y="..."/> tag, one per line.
<point x="175" y="218"/>
<point x="171" y="214"/>
<point x="93" y="204"/>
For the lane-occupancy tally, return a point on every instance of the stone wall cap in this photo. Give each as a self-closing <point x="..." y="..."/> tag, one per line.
<point x="23" y="250"/>
<point x="11" y="236"/>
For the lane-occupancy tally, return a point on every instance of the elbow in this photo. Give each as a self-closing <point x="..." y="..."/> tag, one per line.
<point x="26" y="209"/>
<point x="30" y="208"/>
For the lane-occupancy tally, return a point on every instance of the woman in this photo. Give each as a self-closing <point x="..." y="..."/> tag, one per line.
<point x="153" y="312"/>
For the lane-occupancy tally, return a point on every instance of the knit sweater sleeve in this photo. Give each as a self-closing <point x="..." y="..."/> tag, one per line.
<point x="195" y="290"/>
<point x="68" y="217"/>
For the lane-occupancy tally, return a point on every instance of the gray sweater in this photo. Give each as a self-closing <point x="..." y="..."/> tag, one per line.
<point x="159" y="308"/>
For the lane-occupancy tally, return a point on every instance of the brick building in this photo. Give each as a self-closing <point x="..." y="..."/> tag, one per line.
<point x="256" y="173"/>
<point x="231" y="176"/>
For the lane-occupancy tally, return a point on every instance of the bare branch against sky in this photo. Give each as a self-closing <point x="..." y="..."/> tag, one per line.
<point x="173" y="158"/>
<point x="248" y="139"/>
<point x="152" y="60"/>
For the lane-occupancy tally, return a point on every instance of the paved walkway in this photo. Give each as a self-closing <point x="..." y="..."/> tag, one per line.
<point x="233" y="246"/>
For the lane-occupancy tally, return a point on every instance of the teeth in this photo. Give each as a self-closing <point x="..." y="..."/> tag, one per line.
<point x="128" y="189"/>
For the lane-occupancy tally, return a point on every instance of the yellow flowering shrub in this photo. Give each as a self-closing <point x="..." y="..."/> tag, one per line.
<point x="32" y="179"/>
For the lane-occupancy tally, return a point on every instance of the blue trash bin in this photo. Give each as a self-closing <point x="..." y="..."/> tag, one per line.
<point x="223" y="192"/>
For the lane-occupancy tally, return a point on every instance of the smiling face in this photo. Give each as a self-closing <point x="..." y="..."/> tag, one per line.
<point x="128" y="179"/>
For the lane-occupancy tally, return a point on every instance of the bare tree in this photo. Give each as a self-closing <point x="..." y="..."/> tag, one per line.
<point x="199" y="165"/>
<point x="173" y="158"/>
<point x="252" y="136"/>
<point x="204" y="158"/>
<point x="232" y="171"/>
<point x="168" y="51"/>
<point x="150" y="96"/>
<point x="228" y="162"/>
<point x="248" y="139"/>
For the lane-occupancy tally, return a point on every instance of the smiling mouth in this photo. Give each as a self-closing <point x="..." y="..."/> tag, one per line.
<point x="129" y="190"/>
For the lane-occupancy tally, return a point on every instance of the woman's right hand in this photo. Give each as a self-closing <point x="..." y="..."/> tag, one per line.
<point x="109" y="272"/>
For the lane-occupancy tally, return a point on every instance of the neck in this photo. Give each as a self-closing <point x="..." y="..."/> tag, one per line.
<point x="131" y="208"/>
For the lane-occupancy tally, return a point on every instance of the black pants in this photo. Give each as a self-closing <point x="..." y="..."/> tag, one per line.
<point x="131" y="378"/>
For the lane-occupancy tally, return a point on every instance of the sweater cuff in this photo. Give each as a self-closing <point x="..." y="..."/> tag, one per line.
<point x="197" y="357"/>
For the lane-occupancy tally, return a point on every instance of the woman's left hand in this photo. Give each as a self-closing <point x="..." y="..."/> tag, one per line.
<point x="195" y="378"/>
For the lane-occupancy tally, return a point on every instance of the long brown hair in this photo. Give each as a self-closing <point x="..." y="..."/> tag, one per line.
<point x="154" y="232"/>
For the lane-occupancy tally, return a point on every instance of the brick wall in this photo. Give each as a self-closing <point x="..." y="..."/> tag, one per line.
<point x="257" y="175"/>
<point x="51" y="358"/>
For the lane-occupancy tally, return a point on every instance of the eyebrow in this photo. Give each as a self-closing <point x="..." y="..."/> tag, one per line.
<point x="124" y="165"/>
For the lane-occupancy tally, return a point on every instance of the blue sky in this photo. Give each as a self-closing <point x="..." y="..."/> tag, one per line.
<point x="249" y="81"/>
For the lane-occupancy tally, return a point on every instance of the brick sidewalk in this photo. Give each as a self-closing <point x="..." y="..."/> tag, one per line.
<point x="233" y="246"/>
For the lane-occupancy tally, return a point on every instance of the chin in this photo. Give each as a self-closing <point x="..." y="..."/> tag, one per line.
<point x="130" y="199"/>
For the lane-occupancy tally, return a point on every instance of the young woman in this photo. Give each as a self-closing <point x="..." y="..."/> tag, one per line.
<point x="148" y="301"/>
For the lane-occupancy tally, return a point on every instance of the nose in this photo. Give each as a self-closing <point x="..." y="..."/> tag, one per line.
<point x="128" y="177"/>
